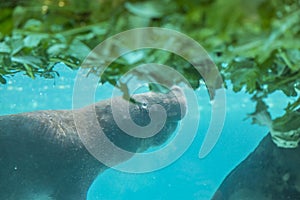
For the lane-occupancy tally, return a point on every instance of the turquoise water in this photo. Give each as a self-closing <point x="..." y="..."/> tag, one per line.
<point x="189" y="177"/>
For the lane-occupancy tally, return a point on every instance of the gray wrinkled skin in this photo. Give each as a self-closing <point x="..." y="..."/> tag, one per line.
<point x="41" y="154"/>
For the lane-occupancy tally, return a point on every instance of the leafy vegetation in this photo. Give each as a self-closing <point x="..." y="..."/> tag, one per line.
<point x="255" y="44"/>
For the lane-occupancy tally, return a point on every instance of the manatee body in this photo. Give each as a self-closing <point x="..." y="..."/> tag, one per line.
<point x="43" y="157"/>
<point x="268" y="173"/>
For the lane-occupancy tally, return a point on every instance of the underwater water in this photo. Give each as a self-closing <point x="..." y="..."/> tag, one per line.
<point x="187" y="178"/>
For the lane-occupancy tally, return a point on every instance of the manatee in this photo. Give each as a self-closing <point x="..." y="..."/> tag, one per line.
<point x="269" y="172"/>
<point x="43" y="157"/>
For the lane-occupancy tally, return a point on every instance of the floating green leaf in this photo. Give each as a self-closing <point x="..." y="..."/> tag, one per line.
<point x="2" y="80"/>
<point x="254" y="43"/>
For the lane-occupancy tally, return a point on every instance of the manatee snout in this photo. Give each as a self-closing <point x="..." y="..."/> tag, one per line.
<point x="168" y="107"/>
<point x="178" y="104"/>
<point x="153" y="118"/>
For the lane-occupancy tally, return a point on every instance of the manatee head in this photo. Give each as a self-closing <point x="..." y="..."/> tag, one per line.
<point x="147" y="120"/>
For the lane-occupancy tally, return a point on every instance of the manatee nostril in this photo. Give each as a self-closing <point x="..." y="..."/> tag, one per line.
<point x="144" y="105"/>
